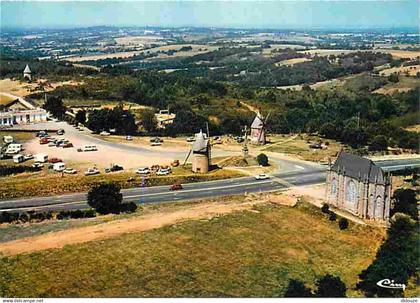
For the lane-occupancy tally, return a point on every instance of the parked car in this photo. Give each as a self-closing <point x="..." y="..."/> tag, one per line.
<point x="8" y="139"/>
<point x="60" y="132"/>
<point x="190" y="139"/>
<point x="176" y="187"/>
<point x="28" y="157"/>
<point x="262" y="177"/>
<point x="92" y="171"/>
<point x="37" y="165"/>
<point x="70" y="171"/>
<point x="104" y="133"/>
<point x="52" y="144"/>
<point x="113" y="168"/>
<point x="44" y="140"/>
<point x="87" y="148"/>
<point x="54" y="160"/>
<point x="13" y="148"/>
<point x="175" y="163"/>
<point x="143" y="171"/>
<point x="67" y="145"/>
<point x="128" y="138"/>
<point x="42" y="158"/>
<point x="59" y="166"/>
<point x="18" y="158"/>
<point x="155" y="143"/>
<point x="163" y="172"/>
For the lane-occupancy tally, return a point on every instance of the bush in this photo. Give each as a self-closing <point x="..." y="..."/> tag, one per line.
<point x="24" y="217"/>
<point x="6" y="170"/>
<point x="343" y="223"/>
<point x="330" y="287"/>
<point x="128" y="207"/>
<point x="379" y="143"/>
<point x="262" y="159"/>
<point x="333" y="216"/>
<point x="325" y="208"/>
<point x="105" y="198"/>
<point x="297" y="289"/>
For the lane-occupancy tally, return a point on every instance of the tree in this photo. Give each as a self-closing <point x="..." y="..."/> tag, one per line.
<point x="393" y="78"/>
<point x="148" y="120"/>
<point x="55" y="107"/>
<point x="330" y="286"/>
<point x="329" y="130"/>
<point x="396" y="259"/>
<point x="343" y="223"/>
<point x="405" y="201"/>
<point x="325" y="208"/>
<point x="379" y="143"/>
<point x="81" y="116"/>
<point x="262" y="159"/>
<point x="105" y="198"/>
<point x="333" y="216"/>
<point x="297" y="289"/>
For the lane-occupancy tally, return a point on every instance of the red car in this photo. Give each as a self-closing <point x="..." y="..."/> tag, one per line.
<point x="44" y="141"/>
<point x="176" y="187"/>
<point x="54" y="160"/>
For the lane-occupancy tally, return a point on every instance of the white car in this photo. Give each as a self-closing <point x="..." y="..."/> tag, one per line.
<point x="70" y="171"/>
<point x="163" y="172"/>
<point x="262" y="177"/>
<point x="104" y="133"/>
<point x="143" y="171"/>
<point x="128" y="138"/>
<point x="92" y="171"/>
<point x="28" y="157"/>
<point x="155" y="144"/>
<point x="37" y="165"/>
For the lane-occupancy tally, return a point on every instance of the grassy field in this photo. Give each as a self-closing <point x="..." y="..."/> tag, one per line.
<point x="405" y="84"/>
<point x="249" y="253"/>
<point x="40" y="184"/>
<point x="299" y="146"/>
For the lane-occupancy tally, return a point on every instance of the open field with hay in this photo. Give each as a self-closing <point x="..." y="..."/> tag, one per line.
<point x="411" y="70"/>
<point x="292" y="62"/>
<point x="404" y="84"/>
<point x="251" y="252"/>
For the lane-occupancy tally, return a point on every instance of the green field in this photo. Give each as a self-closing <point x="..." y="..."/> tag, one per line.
<point x="243" y="254"/>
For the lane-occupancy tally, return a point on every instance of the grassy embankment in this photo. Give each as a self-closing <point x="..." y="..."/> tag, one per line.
<point x="48" y="183"/>
<point x="249" y="253"/>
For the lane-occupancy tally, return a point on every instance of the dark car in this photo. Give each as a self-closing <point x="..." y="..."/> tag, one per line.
<point x="54" y="160"/>
<point x="176" y="187"/>
<point x="114" y="168"/>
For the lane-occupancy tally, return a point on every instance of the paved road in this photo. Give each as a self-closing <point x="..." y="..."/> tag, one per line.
<point x="292" y="174"/>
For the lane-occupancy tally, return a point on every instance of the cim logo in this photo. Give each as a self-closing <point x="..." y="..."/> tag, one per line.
<point x="387" y="283"/>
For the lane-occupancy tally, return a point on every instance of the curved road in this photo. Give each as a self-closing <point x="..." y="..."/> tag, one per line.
<point x="294" y="173"/>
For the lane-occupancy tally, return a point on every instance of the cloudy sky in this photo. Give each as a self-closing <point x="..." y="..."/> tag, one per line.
<point x="243" y="14"/>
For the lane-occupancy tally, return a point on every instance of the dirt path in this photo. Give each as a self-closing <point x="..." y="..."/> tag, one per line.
<point x="138" y="224"/>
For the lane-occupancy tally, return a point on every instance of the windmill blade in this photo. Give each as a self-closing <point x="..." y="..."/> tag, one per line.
<point x="266" y="118"/>
<point x="186" y="159"/>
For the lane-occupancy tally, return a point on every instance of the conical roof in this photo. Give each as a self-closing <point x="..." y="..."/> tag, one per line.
<point x="27" y="70"/>
<point x="200" y="143"/>
<point x="257" y="123"/>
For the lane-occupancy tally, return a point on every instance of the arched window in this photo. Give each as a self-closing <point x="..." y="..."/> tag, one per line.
<point x="351" y="192"/>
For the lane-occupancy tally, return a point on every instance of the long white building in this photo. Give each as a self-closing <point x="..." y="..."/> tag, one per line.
<point x="20" y="111"/>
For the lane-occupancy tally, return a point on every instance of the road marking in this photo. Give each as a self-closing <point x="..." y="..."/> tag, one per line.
<point x="299" y="167"/>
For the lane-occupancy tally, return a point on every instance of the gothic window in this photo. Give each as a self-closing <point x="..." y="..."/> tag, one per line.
<point x="334" y="188"/>
<point x="378" y="207"/>
<point x="351" y="192"/>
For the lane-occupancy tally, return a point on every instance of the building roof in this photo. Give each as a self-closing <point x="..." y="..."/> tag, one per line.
<point x="257" y="123"/>
<point x="27" y="69"/>
<point x="201" y="143"/>
<point x="358" y="167"/>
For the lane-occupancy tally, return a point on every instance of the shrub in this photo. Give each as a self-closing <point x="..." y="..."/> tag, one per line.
<point x="6" y="170"/>
<point x="297" y="289"/>
<point x="262" y="159"/>
<point x="105" y="198"/>
<point x="379" y="143"/>
<point x="330" y="287"/>
<point x="333" y="216"/>
<point x="24" y="217"/>
<point x="128" y="207"/>
<point x="343" y="223"/>
<point x="325" y="208"/>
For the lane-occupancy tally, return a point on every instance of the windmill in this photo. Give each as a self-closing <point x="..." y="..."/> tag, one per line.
<point x="258" y="129"/>
<point x="201" y="153"/>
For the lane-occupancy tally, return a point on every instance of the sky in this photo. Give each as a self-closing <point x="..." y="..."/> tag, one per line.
<point x="276" y="14"/>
